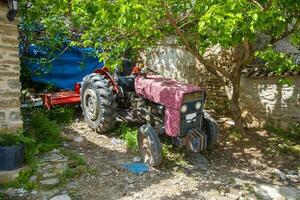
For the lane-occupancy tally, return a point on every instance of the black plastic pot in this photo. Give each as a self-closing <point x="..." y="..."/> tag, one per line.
<point x="11" y="157"/>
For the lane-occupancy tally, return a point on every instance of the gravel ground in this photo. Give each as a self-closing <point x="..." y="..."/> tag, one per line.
<point x="234" y="168"/>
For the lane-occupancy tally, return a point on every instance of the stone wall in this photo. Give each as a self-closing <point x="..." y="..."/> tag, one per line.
<point x="262" y="98"/>
<point x="10" y="117"/>
<point x="265" y="100"/>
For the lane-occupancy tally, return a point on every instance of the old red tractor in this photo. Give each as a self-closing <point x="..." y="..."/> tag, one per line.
<point x="165" y="106"/>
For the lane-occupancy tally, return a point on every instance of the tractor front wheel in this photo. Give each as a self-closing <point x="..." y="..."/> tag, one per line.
<point x="149" y="145"/>
<point x="98" y="103"/>
<point x="211" y="129"/>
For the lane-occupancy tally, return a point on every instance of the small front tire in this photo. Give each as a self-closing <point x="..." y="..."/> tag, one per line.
<point x="211" y="129"/>
<point x="149" y="145"/>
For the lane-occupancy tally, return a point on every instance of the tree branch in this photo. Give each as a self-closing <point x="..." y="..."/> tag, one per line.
<point x="212" y="68"/>
<point x="287" y="32"/>
<point x="258" y="4"/>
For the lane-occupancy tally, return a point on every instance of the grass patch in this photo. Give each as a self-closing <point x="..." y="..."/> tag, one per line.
<point x="76" y="166"/>
<point x="172" y="156"/>
<point x="285" y="141"/>
<point x="292" y="133"/>
<point x="129" y="134"/>
<point x="23" y="179"/>
<point x="235" y="134"/>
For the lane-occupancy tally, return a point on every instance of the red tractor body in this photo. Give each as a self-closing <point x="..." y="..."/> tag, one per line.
<point x="168" y="93"/>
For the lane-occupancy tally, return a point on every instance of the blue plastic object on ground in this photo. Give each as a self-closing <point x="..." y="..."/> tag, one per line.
<point x="136" y="168"/>
<point x="67" y="67"/>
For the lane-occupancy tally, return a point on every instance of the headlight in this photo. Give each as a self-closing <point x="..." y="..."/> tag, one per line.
<point x="198" y="105"/>
<point x="183" y="108"/>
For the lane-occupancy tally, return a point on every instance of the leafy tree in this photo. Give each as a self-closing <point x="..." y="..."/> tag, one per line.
<point x="118" y="25"/>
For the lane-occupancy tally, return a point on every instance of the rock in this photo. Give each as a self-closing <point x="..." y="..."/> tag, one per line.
<point x="280" y="174"/>
<point x="136" y="159"/>
<point x="49" y="183"/>
<point x="229" y="122"/>
<point x="272" y="192"/>
<point x="49" y="193"/>
<point x="198" y="160"/>
<point x="55" y="151"/>
<point x="11" y="192"/>
<point x="116" y="141"/>
<point x="51" y="158"/>
<point x="59" y="168"/>
<point x="293" y="178"/>
<point x="10" y="176"/>
<point x="61" y="197"/>
<point x="34" y="192"/>
<point x="129" y="180"/>
<point x="78" y="139"/>
<point x="48" y="175"/>
<point x="33" y="178"/>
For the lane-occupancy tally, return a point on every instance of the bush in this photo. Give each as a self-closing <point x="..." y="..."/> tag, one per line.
<point x="45" y="132"/>
<point x="129" y="135"/>
<point x="62" y="115"/>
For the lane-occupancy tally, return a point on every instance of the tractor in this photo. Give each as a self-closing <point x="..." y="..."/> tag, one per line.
<point x="165" y="107"/>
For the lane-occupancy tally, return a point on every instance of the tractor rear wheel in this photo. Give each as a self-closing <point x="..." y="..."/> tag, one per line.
<point x="149" y="145"/>
<point x="98" y="103"/>
<point x="211" y="128"/>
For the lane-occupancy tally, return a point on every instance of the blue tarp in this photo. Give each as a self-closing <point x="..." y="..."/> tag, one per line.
<point x="66" y="68"/>
<point x="136" y="168"/>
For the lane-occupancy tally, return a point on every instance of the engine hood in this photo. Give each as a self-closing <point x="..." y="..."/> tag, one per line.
<point x="164" y="91"/>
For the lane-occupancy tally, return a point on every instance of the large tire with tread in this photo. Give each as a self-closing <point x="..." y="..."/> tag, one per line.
<point x="149" y="145"/>
<point x="98" y="103"/>
<point x="211" y="128"/>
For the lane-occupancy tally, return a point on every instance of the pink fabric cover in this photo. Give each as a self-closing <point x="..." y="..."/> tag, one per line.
<point x="168" y="93"/>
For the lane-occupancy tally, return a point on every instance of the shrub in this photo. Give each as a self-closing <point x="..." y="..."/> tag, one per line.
<point x="61" y="115"/>
<point x="45" y="132"/>
<point x="128" y="134"/>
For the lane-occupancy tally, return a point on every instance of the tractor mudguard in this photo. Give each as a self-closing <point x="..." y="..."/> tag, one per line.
<point x="104" y="72"/>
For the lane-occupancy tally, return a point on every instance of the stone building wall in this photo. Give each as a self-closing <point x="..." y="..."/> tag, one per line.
<point x="10" y="117"/>
<point x="265" y="100"/>
<point x="262" y="100"/>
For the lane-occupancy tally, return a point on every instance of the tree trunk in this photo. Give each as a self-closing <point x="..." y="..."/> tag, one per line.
<point x="235" y="105"/>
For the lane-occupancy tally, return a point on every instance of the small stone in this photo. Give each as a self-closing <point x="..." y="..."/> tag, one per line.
<point x="76" y="120"/>
<point x="61" y="197"/>
<point x="294" y="178"/>
<point x="60" y="168"/>
<point x="48" y="175"/>
<point x="21" y="191"/>
<point x="106" y="173"/>
<point x="230" y="122"/>
<point x="32" y="178"/>
<point x="198" y="161"/>
<point x="51" y="158"/>
<point x="78" y="139"/>
<point x="129" y="180"/>
<point x="34" y="192"/>
<point x="65" y="144"/>
<point x="136" y="159"/>
<point x="280" y="174"/>
<point x="51" y="182"/>
<point x="55" y="151"/>
<point x="11" y="191"/>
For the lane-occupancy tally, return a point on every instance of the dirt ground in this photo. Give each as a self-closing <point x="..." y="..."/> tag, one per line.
<point x="235" y="165"/>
